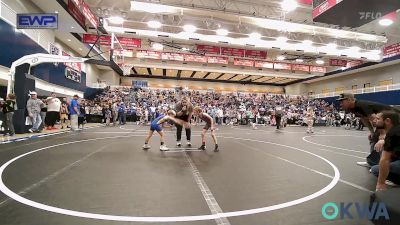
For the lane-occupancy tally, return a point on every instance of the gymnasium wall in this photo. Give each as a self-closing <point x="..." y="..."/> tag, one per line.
<point x="110" y="77"/>
<point x="373" y="77"/>
<point x="199" y="85"/>
<point x="386" y="97"/>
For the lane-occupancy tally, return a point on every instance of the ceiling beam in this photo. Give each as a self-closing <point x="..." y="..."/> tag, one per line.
<point x="219" y="76"/>
<point x="206" y="75"/>
<point x="233" y="76"/>
<point x="134" y="70"/>
<point x="245" y="77"/>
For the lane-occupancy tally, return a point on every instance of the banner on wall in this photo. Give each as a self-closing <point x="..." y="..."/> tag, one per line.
<point x="243" y="62"/>
<point x="106" y="41"/>
<point x="73" y="71"/>
<point x="195" y="58"/>
<point x="76" y="13"/>
<point x="54" y="50"/>
<point x="84" y="8"/>
<point x="337" y="62"/>
<point x="256" y="54"/>
<point x="233" y="52"/>
<point x="391" y="50"/>
<point x="208" y="49"/>
<point x="217" y="60"/>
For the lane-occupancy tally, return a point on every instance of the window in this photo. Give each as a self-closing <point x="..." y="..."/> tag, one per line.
<point x="325" y="91"/>
<point x="339" y="90"/>
<point x="385" y="82"/>
<point x="367" y="85"/>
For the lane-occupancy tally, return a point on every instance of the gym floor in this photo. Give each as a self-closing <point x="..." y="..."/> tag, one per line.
<point x="102" y="176"/>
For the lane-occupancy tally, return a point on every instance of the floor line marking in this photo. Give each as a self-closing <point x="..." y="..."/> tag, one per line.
<point x="328" y="146"/>
<point x="340" y="153"/>
<point x="81" y="214"/>
<point x="52" y="176"/>
<point x="206" y="192"/>
<point x="307" y="168"/>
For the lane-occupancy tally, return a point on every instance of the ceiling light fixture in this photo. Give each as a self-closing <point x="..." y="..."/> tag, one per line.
<point x="385" y="22"/>
<point x="157" y="46"/>
<point x="388" y="19"/>
<point x="222" y="32"/>
<point x="281" y="57"/>
<point x="282" y="39"/>
<point x="255" y="35"/>
<point x="289" y="5"/>
<point x="68" y="39"/>
<point x="331" y="45"/>
<point x="319" y="61"/>
<point x="154" y="24"/>
<point x="189" y="28"/>
<point x="299" y="60"/>
<point x="116" y="20"/>
<point x="152" y="7"/>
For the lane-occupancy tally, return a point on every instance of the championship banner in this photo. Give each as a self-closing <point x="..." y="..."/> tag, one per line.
<point x="144" y="54"/>
<point x="256" y="54"/>
<point x="243" y="62"/>
<point x="304" y="68"/>
<point x="195" y="58"/>
<point x="172" y="56"/>
<point x="217" y="60"/>
<point x="282" y="66"/>
<point x="233" y="52"/>
<point x="391" y="50"/>
<point x="317" y="69"/>
<point x="208" y="49"/>
<point x="338" y="62"/>
<point x="264" y="64"/>
<point x="106" y="41"/>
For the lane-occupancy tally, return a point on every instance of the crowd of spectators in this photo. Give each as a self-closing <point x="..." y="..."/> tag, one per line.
<point x="119" y="105"/>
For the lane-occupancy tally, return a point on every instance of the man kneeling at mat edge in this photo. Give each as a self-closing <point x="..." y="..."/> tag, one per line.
<point x="389" y="164"/>
<point x="209" y="125"/>
<point x="156" y="125"/>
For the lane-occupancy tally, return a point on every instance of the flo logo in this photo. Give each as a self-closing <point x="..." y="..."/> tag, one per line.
<point x="374" y="211"/>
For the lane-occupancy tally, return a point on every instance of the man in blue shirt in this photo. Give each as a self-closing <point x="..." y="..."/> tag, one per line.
<point x="74" y="110"/>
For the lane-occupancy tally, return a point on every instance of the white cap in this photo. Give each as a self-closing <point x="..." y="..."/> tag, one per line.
<point x="32" y="93"/>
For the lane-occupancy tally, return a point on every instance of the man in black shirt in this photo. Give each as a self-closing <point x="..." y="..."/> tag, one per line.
<point x="363" y="109"/>
<point x="184" y="111"/>
<point x="389" y="164"/>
